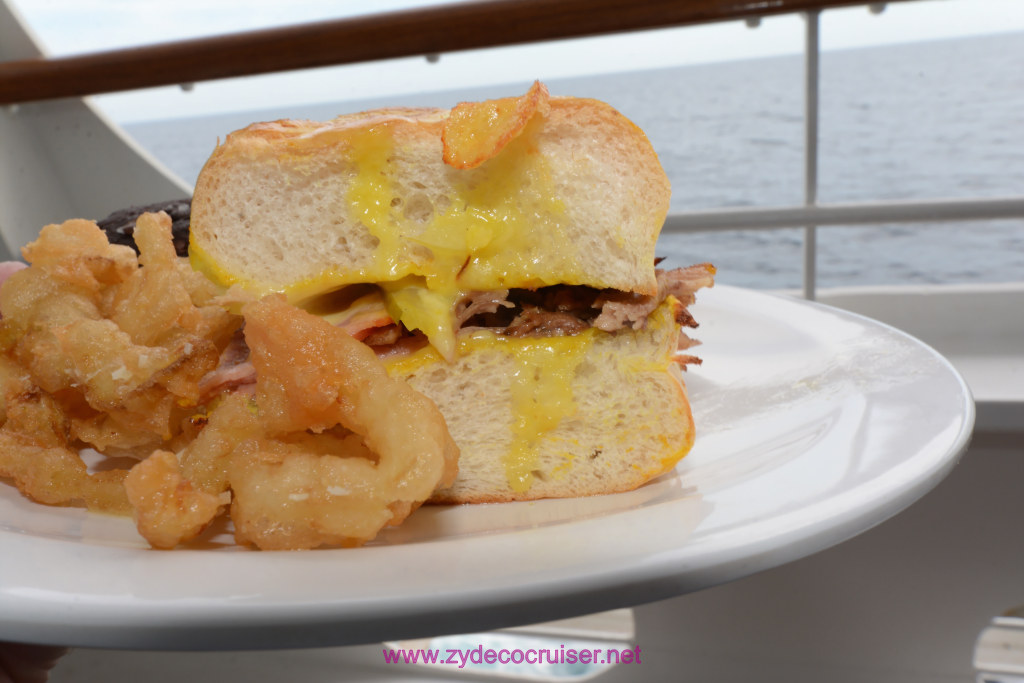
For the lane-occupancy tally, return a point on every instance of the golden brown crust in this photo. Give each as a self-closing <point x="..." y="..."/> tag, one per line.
<point x="297" y="130"/>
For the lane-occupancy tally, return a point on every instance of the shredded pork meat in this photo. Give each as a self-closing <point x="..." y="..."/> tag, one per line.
<point x="568" y="309"/>
<point x="536" y="322"/>
<point x="622" y="309"/>
<point x="480" y="303"/>
<point x="559" y="310"/>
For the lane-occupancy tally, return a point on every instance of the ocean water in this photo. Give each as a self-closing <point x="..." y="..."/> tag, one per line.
<point x="934" y="120"/>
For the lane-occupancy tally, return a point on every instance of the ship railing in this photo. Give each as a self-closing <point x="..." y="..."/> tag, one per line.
<point x="471" y="25"/>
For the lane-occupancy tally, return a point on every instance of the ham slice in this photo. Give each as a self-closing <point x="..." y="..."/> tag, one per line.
<point x="232" y="372"/>
<point x="8" y="268"/>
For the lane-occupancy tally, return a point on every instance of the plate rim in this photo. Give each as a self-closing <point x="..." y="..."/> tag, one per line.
<point x="223" y="624"/>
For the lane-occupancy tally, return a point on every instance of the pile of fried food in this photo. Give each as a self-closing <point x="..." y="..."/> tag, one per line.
<point x="122" y="354"/>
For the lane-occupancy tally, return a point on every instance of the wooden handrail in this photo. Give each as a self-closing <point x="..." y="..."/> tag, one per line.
<point x="438" y="29"/>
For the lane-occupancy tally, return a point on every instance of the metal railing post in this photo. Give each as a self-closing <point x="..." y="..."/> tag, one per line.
<point x="811" y="110"/>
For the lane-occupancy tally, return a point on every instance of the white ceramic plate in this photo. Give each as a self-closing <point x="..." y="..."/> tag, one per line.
<point x="814" y="425"/>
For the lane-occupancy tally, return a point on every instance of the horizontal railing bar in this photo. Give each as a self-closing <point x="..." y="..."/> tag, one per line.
<point x="771" y="218"/>
<point x="416" y="32"/>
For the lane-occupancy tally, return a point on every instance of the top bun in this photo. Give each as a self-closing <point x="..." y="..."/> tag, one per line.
<point x="574" y="194"/>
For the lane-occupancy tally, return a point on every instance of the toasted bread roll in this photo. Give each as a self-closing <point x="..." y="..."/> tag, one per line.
<point x="559" y="377"/>
<point x="578" y="198"/>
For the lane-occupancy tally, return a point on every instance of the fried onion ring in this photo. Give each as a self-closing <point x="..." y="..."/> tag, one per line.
<point x="328" y="451"/>
<point x="121" y="343"/>
<point x="35" y="453"/>
<point x="105" y="350"/>
<point x="317" y="377"/>
<point x="167" y="506"/>
<point x="100" y="349"/>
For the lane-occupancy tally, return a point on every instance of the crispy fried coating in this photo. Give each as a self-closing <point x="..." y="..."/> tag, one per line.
<point x="329" y="449"/>
<point x="103" y="349"/>
<point x="35" y="453"/>
<point x="168" y="507"/>
<point x="314" y="378"/>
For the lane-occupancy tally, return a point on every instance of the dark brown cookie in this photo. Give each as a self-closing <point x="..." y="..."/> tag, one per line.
<point x="120" y="225"/>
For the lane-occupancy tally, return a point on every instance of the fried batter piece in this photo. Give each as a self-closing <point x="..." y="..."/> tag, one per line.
<point x="35" y="453"/>
<point x="316" y="377"/>
<point x="167" y="507"/>
<point x="101" y="349"/>
<point x="328" y="451"/>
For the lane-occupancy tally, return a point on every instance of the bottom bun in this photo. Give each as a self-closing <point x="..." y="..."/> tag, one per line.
<point x="558" y="417"/>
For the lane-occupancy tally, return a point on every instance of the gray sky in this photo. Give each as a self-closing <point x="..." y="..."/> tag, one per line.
<point x="77" y="26"/>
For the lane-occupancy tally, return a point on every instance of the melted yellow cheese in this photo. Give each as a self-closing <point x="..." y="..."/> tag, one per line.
<point x="201" y="262"/>
<point x="426" y="310"/>
<point x="502" y="226"/>
<point x="502" y="220"/>
<point x="369" y="198"/>
<point x="541" y="388"/>
<point x="542" y="397"/>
